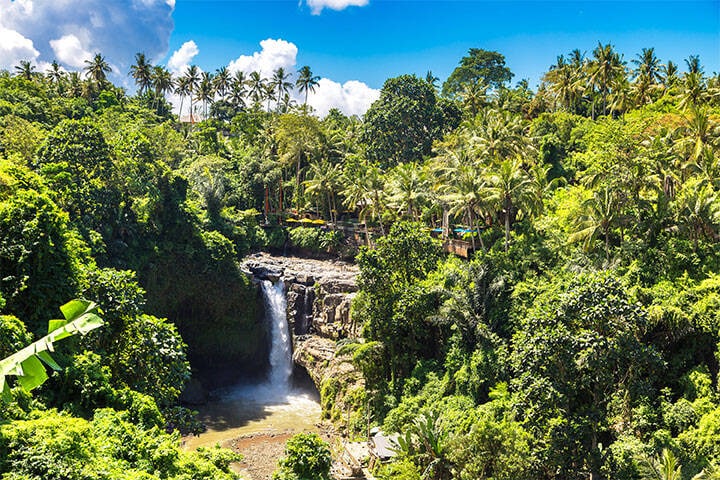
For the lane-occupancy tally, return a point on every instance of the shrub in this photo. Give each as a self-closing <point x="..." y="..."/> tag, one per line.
<point x="307" y="457"/>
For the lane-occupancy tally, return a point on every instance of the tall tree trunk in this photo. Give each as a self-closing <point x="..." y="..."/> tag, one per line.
<point x="297" y="184"/>
<point x="507" y="231"/>
<point x="607" y="245"/>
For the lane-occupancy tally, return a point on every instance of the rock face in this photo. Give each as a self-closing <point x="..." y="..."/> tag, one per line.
<point x="319" y="294"/>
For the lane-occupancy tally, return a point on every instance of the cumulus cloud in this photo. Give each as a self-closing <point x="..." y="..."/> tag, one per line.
<point x="181" y="58"/>
<point x="14" y="47"/>
<point x="317" y="6"/>
<point x="67" y="30"/>
<point x="69" y="50"/>
<point x="352" y="97"/>
<point x="273" y="55"/>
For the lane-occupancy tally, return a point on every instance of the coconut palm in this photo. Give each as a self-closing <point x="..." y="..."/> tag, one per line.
<point x="25" y="69"/>
<point x="464" y="189"/>
<point x="97" y="69"/>
<point x="162" y="82"/>
<point x="192" y="76"/>
<point x="474" y="97"/>
<point x="605" y="67"/>
<point x="142" y="72"/>
<point x="694" y="91"/>
<point x="432" y="79"/>
<point x="698" y="142"/>
<point x="182" y="89"/>
<point x="600" y="214"/>
<point x="75" y="85"/>
<point x="324" y="181"/>
<point x="693" y="64"/>
<point x="306" y="82"/>
<point x="280" y="84"/>
<point x="364" y="191"/>
<point x="511" y="191"/>
<point x="222" y="81"/>
<point x="408" y="188"/>
<point x="55" y="75"/>
<point x="256" y="87"/>
<point x="648" y="66"/>
<point x="205" y="92"/>
<point x="237" y="96"/>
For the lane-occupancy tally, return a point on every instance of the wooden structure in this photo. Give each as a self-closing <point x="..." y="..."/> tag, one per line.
<point x="461" y="248"/>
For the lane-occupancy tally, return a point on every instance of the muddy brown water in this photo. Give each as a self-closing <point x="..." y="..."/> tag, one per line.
<point x="255" y="411"/>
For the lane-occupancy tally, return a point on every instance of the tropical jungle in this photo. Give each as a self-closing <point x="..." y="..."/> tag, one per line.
<point x="577" y="336"/>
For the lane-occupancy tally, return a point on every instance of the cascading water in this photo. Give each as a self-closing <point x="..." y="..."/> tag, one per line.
<point x="281" y="364"/>
<point x="272" y="407"/>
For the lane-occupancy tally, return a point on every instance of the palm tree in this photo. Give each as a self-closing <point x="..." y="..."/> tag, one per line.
<point x="205" y="92"/>
<point x="698" y="210"/>
<point x="474" y="97"/>
<point x="604" y="68"/>
<point x="408" y="189"/>
<point x="192" y="76"/>
<point x="432" y="79"/>
<point x="648" y="65"/>
<point x="694" y="91"/>
<point x="600" y="214"/>
<point x="75" y="85"/>
<point x="269" y="94"/>
<point x="670" y="75"/>
<point x="693" y="64"/>
<point x="497" y="134"/>
<point x="237" y="96"/>
<point x="664" y="467"/>
<point x="182" y="88"/>
<point x="281" y="84"/>
<point x="511" y="190"/>
<point x="162" y="82"/>
<point x="698" y="142"/>
<point x="222" y="81"/>
<point x="256" y="87"/>
<point x="464" y="188"/>
<point x="97" y="69"/>
<point x="55" y="75"/>
<point x="324" y="181"/>
<point x="306" y="82"/>
<point x="141" y="71"/>
<point x="365" y="191"/>
<point x="26" y="70"/>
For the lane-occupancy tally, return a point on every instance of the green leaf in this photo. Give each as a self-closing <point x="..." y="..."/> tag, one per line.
<point x="74" y="308"/>
<point x="26" y="364"/>
<point x="55" y="324"/>
<point x="45" y="357"/>
<point x="33" y="373"/>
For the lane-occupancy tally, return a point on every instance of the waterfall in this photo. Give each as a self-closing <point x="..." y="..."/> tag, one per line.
<point x="281" y="364"/>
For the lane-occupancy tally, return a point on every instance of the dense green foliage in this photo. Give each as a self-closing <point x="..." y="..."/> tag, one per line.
<point x="580" y="338"/>
<point x="307" y="457"/>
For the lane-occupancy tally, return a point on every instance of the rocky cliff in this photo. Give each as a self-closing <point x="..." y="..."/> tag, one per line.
<point x="319" y="294"/>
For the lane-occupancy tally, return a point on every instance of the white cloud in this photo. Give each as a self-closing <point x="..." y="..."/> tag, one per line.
<point x="352" y="97"/>
<point x="117" y="29"/>
<point x="181" y="58"/>
<point x="317" y="6"/>
<point x="14" y="47"/>
<point x="69" y="50"/>
<point x="274" y="54"/>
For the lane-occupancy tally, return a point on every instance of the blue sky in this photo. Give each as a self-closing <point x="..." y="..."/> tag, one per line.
<point x="386" y="38"/>
<point x="353" y="48"/>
